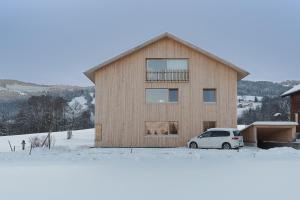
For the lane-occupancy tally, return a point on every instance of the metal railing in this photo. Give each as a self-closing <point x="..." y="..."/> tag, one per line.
<point x="167" y="75"/>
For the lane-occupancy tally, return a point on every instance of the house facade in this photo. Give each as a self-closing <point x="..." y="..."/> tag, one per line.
<point x="162" y="93"/>
<point x="294" y="95"/>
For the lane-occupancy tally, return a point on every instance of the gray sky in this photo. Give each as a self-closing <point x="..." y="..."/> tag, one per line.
<point x="54" y="41"/>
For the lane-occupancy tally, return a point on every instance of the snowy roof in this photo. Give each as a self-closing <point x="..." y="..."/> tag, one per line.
<point x="240" y="75"/>
<point x="268" y="123"/>
<point x="275" y="123"/>
<point x="291" y="91"/>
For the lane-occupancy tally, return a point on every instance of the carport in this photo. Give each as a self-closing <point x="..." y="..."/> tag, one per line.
<point x="277" y="132"/>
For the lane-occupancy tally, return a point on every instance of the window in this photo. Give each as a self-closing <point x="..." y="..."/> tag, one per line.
<point x="220" y="134"/>
<point x="166" y="64"/>
<point x="209" y="95"/>
<point x="161" y="95"/>
<point x="167" y="70"/>
<point x="208" y="125"/>
<point x="161" y="128"/>
<point x="204" y="135"/>
<point x="236" y="133"/>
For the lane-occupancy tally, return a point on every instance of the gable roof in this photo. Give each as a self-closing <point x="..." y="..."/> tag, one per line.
<point x="91" y="72"/>
<point x="293" y="90"/>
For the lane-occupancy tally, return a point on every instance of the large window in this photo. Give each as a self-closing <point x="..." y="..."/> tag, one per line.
<point x="161" y="128"/>
<point x="167" y="70"/>
<point x="209" y="95"/>
<point x="166" y="64"/>
<point x="208" y="124"/>
<point x="161" y="95"/>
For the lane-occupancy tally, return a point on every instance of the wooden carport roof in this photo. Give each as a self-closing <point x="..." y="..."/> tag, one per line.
<point x="269" y="131"/>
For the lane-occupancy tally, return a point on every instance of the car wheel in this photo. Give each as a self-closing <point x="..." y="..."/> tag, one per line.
<point x="193" y="145"/>
<point x="226" y="146"/>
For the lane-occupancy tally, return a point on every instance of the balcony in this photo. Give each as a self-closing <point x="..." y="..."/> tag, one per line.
<point x="168" y="76"/>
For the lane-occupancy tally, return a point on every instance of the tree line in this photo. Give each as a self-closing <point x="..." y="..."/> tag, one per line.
<point x="46" y="113"/>
<point x="272" y="109"/>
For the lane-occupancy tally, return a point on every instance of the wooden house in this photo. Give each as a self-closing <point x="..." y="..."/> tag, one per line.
<point x="162" y="93"/>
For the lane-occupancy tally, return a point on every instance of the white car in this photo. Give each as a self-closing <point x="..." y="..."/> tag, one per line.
<point x="217" y="138"/>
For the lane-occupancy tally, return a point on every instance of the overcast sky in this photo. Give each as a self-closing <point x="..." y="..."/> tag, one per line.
<point x="54" y="41"/>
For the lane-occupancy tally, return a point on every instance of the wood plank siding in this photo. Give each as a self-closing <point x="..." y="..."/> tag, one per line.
<point x="121" y="109"/>
<point x="295" y="108"/>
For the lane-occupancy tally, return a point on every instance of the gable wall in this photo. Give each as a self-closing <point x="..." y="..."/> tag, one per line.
<point x="120" y="98"/>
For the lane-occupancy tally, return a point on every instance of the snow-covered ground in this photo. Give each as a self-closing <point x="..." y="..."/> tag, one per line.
<point x="72" y="170"/>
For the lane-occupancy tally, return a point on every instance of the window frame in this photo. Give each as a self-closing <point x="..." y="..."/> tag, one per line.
<point x="203" y="97"/>
<point x="168" y="102"/>
<point x="161" y="135"/>
<point x="146" y="62"/>
<point x="203" y="127"/>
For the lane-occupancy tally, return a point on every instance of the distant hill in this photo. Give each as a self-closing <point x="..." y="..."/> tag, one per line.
<point x="14" y="93"/>
<point x="13" y="90"/>
<point x="264" y="88"/>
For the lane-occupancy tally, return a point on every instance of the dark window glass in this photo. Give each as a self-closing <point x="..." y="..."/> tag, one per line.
<point x="206" y="134"/>
<point x="220" y="134"/>
<point x="173" y="95"/>
<point x="209" y="95"/>
<point x="236" y="133"/>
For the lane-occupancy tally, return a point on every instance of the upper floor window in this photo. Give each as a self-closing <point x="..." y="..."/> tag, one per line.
<point x="167" y="70"/>
<point x="161" y="95"/>
<point x="209" y="95"/>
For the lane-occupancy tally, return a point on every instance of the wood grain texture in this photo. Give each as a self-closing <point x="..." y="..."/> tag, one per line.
<point x="122" y="110"/>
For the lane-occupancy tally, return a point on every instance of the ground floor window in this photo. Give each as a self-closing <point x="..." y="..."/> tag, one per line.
<point x="161" y="128"/>
<point x="208" y="125"/>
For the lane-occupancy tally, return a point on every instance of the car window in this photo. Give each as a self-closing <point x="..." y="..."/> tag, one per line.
<point x="206" y="134"/>
<point x="220" y="134"/>
<point x="236" y="133"/>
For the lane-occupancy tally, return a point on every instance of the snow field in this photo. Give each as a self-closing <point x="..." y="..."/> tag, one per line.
<point x="72" y="170"/>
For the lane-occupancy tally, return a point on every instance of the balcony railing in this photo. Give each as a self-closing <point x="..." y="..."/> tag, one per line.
<point x="167" y="75"/>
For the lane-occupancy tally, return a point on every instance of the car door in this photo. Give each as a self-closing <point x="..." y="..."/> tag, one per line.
<point x="215" y="139"/>
<point x="220" y="138"/>
<point x="204" y="140"/>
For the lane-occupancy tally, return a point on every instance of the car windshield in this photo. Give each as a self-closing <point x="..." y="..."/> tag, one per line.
<point x="236" y="133"/>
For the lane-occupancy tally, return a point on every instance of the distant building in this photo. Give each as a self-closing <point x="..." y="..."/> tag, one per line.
<point x="294" y="95"/>
<point x="162" y="93"/>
